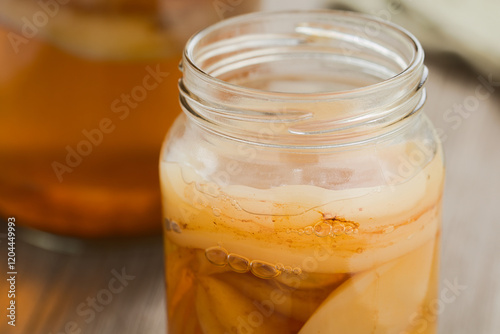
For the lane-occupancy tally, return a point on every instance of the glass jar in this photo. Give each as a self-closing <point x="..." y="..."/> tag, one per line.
<point x="302" y="184"/>
<point x="87" y="93"/>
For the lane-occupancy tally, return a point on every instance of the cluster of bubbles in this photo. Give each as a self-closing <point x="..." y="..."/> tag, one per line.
<point x="240" y="264"/>
<point x="332" y="227"/>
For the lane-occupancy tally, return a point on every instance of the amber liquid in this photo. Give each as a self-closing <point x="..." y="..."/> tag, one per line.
<point x="203" y="298"/>
<point x="48" y="97"/>
<point x="280" y="260"/>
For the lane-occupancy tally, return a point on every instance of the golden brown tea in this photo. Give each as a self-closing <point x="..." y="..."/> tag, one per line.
<point x="88" y="90"/>
<point x="86" y="100"/>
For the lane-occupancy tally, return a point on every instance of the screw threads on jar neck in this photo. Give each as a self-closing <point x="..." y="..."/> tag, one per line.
<point x="303" y="79"/>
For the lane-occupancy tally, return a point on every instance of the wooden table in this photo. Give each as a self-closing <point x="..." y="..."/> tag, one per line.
<point x="118" y="287"/>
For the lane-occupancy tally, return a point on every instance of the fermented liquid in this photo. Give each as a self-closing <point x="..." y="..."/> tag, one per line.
<point x="301" y="258"/>
<point x="88" y="90"/>
<point x="86" y="99"/>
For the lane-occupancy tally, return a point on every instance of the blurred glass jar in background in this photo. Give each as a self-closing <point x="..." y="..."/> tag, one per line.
<point x="87" y="92"/>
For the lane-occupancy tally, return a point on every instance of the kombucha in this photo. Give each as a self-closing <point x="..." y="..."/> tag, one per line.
<point x="86" y="100"/>
<point x="301" y="258"/>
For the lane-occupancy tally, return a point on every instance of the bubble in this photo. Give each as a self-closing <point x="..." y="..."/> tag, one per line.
<point x="216" y="255"/>
<point x="216" y="212"/>
<point x="279" y="266"/>
<point x="388" y="229"/>
<point x="349" y="230"/>
<point x="359" y="250"/>
<point x="288" y="270"/>
<point x="338" y="229"/>
<point x="301" y="231"/>
<point x="297" y="271"/>
<point x="238" y="263"/>
<point x="322" y="229"/>
<point x="263" y="269"/>
<point x="309" y="230"/>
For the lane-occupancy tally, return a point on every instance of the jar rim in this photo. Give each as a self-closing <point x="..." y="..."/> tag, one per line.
<point x="416" y="61"/>
<point x="385" y="68"/>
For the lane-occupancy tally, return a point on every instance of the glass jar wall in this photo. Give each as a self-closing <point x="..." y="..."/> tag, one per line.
<point x="302" y="185"/>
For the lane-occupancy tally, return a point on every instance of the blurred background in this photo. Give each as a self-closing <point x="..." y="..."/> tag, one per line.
<point x="88" y="89"/>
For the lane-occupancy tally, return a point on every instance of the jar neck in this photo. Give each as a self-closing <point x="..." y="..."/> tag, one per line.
<point x="303" y="79"/>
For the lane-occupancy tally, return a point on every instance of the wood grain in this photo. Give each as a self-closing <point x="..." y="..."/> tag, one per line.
<point x="55" y="289"/>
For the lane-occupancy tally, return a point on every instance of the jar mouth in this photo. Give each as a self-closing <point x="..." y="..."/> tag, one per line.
<point x="315" y="72"/>
<point x="370" y="22"/>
